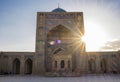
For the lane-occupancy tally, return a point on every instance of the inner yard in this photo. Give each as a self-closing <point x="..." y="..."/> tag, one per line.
<point x="84" y="78"/>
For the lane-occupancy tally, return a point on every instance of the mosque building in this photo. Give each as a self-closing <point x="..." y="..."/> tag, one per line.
<point x="59" y="49"/>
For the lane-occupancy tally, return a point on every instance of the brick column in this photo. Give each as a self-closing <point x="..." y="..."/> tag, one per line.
<point x="22" y="65"/>
<point x="59" y="67"/>
<point x="10" y="64"/>
<point x="98" y="68"/>
<point x="34" y="70"/>
<point x="66" y="64"/>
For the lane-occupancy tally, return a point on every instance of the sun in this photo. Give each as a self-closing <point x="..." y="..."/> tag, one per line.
<point x="84" y="39"/>
<point x="95" y="37"/>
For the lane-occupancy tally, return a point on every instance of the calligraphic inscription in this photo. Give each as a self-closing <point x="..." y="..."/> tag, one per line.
<point x="59" y="16"/>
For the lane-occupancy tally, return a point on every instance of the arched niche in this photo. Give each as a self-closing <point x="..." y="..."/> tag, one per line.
<point x="28" y="66"/>
<point x="16" y="66"/>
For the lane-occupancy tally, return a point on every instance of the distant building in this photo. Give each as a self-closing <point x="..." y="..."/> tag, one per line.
<point x="59" y="50"/>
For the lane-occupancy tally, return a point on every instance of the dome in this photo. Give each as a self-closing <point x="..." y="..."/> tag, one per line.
<point x="58" y="10"/>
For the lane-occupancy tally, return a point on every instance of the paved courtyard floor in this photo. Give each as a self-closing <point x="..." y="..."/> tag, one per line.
<point x="85" y="78"/>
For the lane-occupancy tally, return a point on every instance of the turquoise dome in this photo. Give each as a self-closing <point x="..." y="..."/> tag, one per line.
<point x="58" y="10"/>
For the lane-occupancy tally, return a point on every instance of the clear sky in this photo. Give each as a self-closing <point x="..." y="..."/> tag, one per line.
<point x="18" y="22"/>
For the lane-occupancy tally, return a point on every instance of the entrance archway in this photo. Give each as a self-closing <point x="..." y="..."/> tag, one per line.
<point x="28" y="66"/>
<point x="16" y="66"/>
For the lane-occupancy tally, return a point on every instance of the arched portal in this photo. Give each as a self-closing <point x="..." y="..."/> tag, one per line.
<point x="57" y="39"/>
<point x="28" y="66"/>
<point x="16" y="66"/>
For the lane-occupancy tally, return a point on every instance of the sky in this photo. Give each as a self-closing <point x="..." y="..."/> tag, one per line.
<point x="18" y="22"/>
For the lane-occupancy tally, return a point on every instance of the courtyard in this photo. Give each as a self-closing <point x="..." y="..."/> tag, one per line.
<point x="84" y="78"/>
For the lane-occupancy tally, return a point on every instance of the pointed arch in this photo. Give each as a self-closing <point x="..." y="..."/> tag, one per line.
<point x="59" y="34"/>
<point x="58" y="27"/>
<point x="28" y="66"/>
<point x="16" y="66"/>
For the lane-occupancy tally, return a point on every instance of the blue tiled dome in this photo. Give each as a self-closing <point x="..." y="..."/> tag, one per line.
<point x="58" y="10"/>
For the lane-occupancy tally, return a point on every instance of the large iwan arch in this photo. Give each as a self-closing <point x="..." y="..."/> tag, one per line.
<point x="57" y="40"/>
